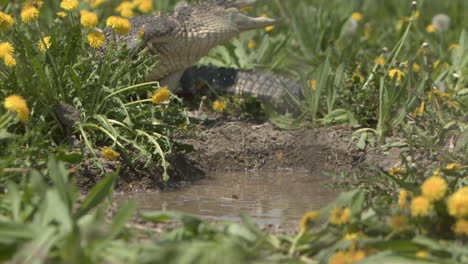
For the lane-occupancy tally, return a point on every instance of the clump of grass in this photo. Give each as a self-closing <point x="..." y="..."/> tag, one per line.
<point x="55" y="63"/>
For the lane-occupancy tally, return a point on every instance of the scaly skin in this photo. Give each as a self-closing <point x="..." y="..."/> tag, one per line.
<point x="181" y="38"/>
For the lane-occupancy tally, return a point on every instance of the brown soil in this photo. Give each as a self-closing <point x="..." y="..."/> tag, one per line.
<point x="230" y="145"/>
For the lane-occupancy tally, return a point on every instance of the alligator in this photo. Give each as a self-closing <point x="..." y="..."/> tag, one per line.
<point x="181" y="38"/>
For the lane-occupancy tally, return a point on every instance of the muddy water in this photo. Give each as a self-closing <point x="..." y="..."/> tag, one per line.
<point x="269" y="198"/>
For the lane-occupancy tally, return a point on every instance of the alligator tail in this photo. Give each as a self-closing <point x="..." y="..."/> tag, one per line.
<point x="264" y="86"/>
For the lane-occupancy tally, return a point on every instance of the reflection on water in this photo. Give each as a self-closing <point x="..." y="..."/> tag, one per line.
<point x="269" y="198"/>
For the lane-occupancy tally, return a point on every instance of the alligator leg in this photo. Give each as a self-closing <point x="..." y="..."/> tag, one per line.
<point x="172" y="81"/>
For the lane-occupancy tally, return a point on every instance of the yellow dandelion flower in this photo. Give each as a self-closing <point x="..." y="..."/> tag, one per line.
<point x="356" y="16"/>
<point x="251" y="44"/>
<point x="434" y="188"/>
<point x="15" y="103"/>
<point x="29" y="14"/>
<point x="347" y="257"/>
<point x="399" y="74"/>
<point x="119" y="24"/>
<point x="44" y="44"/>
<point x="9" y="60"/>
<point x="145" y="6"/>
<point x="422" y="254"/>
<point x="379" y="60"/>
<point x="452" y="104"/>
<point x="109" y="153"/>
<point x="420" y="110"/>
<point x="125" y="9"/>
<point x="161" y="95"/>
<point x="399" y="25"/>
<point x="308" y="220"/>
<point x="416" y="67"/>
<point x="35" y="3"/>
<point x="6" y="48"/>
<point x="396" y="171"/>
<point x="431" y="28"/>
<point x="453" y="166"/>
<point x="61" y="14"/>
<point x="454" y="46"/>
<point x="88" y="19"/>
<point x="312" y="84"/>
<point x="457" y="203"/>
<point x="461" y="227"/>
<point x="351" y="236"/>
<point x="340" y="216"/>
<point x="96" y="39"/>
<point x="358" y="77"/>
<point x="339" y="257"/>
<point x="219" y="105"/>
<point x="403" y="198"/>
<point x="398" y="222"/>
<point x="416" y="15"/>
<point x="420" y="206"/>
<point x="69" y="5"/>
<point x="269" y="28"/>
<point x="6" y="21"/>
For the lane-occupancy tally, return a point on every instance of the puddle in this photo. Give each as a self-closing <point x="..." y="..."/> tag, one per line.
<point x="269" y="198"/>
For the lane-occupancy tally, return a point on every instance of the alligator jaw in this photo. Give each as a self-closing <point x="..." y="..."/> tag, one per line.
<point x="244" y="22"/>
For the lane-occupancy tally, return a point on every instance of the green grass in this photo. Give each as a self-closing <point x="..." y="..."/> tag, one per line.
<point x="42" y="222"/>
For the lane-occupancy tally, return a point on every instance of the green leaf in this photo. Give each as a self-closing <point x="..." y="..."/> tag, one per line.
<point x="97" y="194"/>
<point x="188" y="220"/>
<point x="121" y="218"/>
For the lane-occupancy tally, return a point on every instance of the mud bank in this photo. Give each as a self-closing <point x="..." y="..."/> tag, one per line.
<point x="238" y="145"/>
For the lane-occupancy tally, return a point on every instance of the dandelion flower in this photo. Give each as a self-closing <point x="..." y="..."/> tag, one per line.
<point x="69" y="5"/>
<point x="269" y="28"/>
<point x="347" y="257"/>
<point x="9" y="60"/>
<point x="340" y="216"/>
<point x="109" y="153"/>
<point x="420" y="110"/>
<point x="434" y="188"/>
<point x="125" y="9"/>
<point x="461" y="227"/>
<point x="219" y="106"/>
<point x="422" y="254"/>
<point x="44" y="44"/>
<point x="396" y="171"/>
<point x="15" y="103"/>
<point x="351" y="236"/>
<point x="356" y="16"/>
<point x="119" y="24"/>
<point x="457" y="203"/>
<point x="6" y="21"/>
<point x="308" y="220"/>
<point x="416" y="67"/>
<point x="441" y="22"/>
<point x="251" y="44"/>
<point x="453" y="166"/>
<point x="312" y="84"/>
<point x="398" y="222"/>
<point x="431" y="28"/>
<point x="96" y="39"/>
<point x="61" y="14"/>
<point x="399" y="74"/>
<point x="379" y="60"/>
<point x="145" y="6"/>
<point x="6" y="48"/>
<point x="161" y="95"/>
<point x="35" y="3"/>
<point x="403" y="197"/>
<point x="420" y="206"/>
<point x="88" y="19"/>
<point x="29" y="14"/>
